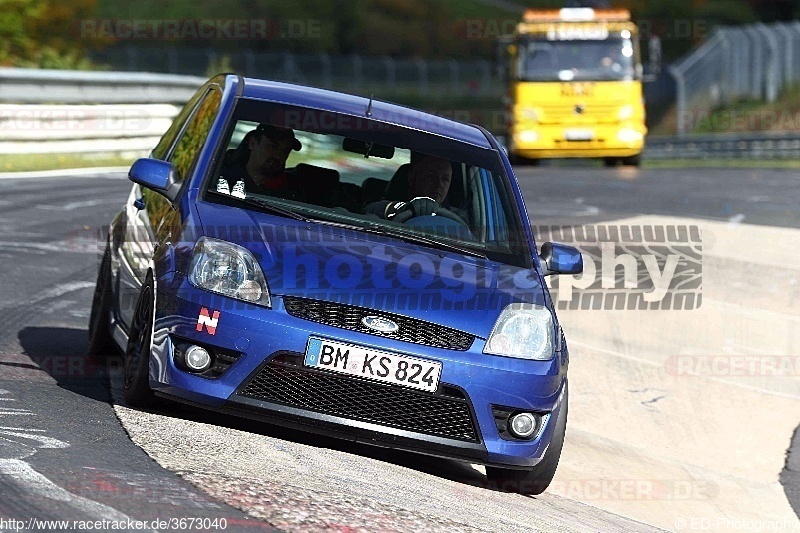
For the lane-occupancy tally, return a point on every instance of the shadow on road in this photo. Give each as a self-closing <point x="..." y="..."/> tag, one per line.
<point x="59" y="352"/>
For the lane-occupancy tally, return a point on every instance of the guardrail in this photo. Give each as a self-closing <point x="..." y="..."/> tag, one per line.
<point x="49" y="129"/>
<point x="128" y="112"/>
<point x="89" y="87"/>
<point x="725" y="146"/>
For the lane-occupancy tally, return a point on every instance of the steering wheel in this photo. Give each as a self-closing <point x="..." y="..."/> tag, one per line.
<point x="410" y="211"/>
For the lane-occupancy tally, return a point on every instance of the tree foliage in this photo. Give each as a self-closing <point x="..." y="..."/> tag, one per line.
<point x="43" y="33"/>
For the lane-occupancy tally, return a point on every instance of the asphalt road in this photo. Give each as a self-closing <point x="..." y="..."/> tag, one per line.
<point x="64" y="454"/>
<point x="564" y="195"/>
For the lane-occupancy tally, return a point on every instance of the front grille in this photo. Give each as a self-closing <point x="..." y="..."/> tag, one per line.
<point x="349" y="317"/>
<point x="284" y="380"/>
<point x="591" y="113"/>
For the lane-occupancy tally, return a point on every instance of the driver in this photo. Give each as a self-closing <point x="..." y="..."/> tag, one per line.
<point x="428" y="183"/>
<point x="258" y="165"/>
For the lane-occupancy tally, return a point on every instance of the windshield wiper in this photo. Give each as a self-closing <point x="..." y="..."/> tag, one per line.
<point x="266" y="206"/>
<point x="421" y="239"/>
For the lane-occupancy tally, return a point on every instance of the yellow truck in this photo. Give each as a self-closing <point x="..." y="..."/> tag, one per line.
<point x="575" y="86"/>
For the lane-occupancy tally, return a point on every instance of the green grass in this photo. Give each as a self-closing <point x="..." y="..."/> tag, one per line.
<point x="750" y="115"/>
<point x="30" y="162"/>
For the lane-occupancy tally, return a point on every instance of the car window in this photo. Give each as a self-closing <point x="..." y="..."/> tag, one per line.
<point x="162" y="148"/>
<point x="184" y="155"/>
<point x="361" y="175"/>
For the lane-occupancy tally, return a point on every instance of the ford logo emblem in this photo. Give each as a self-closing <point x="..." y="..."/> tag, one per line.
<point x="380" y="324"/>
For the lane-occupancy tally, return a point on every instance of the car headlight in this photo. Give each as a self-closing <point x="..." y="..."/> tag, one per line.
<point x="524" y="331"/>
<point x="625" y="112"/>
<point x="228" y="269"/>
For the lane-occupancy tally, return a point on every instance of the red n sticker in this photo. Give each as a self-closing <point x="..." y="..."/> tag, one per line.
<point x="209" y="321"/>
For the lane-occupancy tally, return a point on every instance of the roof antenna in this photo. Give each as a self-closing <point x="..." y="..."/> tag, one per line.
<point x="368" y="112"/>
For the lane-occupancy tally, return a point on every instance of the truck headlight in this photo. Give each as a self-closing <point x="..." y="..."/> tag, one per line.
<point x="625" y="112"/>
<point x="524" y="331"/>
<point x="530" y="113"/>
<point x="228" y="269"/>
<point x="628" y="135"/>
<point x="527" y="137"/>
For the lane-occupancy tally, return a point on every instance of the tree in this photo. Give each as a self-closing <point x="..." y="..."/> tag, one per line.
<point x="43" y="33"/>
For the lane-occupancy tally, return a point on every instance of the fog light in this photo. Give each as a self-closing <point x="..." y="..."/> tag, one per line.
<point x="197" y="359"/>
<point x="522" y="425"/>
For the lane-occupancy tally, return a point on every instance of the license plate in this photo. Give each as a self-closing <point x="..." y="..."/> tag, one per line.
<point x="578" y="135"/>
<point x="372" y="364"/>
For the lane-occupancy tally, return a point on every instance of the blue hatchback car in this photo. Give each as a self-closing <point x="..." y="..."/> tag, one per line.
<point x="342" y="266"/>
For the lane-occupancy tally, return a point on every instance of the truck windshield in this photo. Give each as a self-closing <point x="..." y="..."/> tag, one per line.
<point x="584" y="60"/>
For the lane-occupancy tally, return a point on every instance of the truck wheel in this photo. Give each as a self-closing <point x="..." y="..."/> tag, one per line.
<point x="521" y="161"/>
<point x="633" y="161"/>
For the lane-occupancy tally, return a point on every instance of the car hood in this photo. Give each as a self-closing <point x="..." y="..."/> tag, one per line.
<point x="322" y="262"/>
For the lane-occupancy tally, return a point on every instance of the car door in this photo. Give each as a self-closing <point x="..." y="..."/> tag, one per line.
<point x="151" y="219"/>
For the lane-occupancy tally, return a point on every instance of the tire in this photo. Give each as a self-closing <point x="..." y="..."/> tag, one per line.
<point x="101" y="344"/>
<point x="610" y="161"/>
<point x="136" y="374"/>
<point x="632" y="161"/>
<point x="537" y="479"/>
<point x="521" y="161"/>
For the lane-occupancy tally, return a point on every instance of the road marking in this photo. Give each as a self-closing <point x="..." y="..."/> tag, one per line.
<point x="39" y="485"/>
<point x="46" y="442"/>
<point x="58" y="246"/>
<point x="75" y="205"/>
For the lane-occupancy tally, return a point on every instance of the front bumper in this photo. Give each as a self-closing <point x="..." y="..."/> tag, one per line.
<point x="551" y="141"/>
<point x="258" y="334"/>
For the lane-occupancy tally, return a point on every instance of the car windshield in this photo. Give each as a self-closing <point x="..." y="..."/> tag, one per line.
<point x="370" y="177"/>
<point x="580" y="60"/>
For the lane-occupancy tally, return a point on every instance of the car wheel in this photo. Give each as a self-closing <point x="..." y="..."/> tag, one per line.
<point x="538" y="478"/>
<point x="101" y="343"/>
<point x="610" y="161"/>
<point x="136" y="382"/>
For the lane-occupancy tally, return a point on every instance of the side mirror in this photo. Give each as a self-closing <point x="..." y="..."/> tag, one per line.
<point x="654" y="63"/>
<point x="560" y="259"/>
<point x="160" y="176"/>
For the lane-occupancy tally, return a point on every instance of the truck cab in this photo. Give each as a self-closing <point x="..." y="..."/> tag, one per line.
<point x="575" y="86"/>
